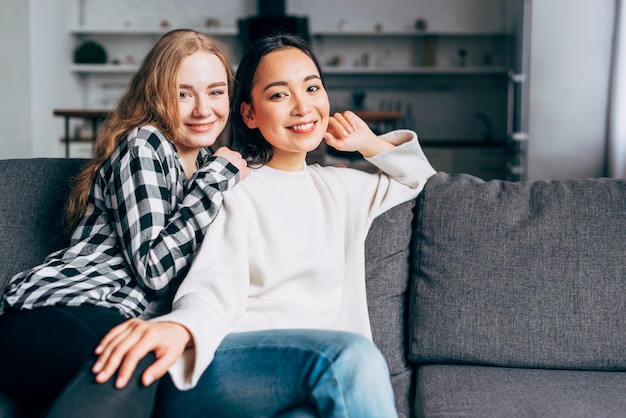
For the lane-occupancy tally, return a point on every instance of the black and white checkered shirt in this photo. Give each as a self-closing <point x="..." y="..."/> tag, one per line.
<point x="139" y="234"/>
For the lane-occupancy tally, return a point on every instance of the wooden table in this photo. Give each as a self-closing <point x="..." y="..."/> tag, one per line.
<point x="97" y="116"/>
<point x="94" y="116"/>
<point x="376" y="116"/>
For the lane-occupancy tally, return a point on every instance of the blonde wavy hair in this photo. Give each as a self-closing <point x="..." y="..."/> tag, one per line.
<point x="150" y="99"/>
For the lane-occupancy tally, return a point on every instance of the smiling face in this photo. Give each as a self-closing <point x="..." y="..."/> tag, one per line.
<point x="202" y="102"/>
<point x="289" y="106"/>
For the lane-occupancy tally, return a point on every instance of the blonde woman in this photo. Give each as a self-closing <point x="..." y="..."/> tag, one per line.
<point x="139" y="211"/>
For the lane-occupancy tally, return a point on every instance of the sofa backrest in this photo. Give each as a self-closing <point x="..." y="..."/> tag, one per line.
<point x="388" y="276"/>
<point x="33" y="193"/>
<point x="529" y="274"/>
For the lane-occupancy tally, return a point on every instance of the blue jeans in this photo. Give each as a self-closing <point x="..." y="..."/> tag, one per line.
<point x="287" y="373"/>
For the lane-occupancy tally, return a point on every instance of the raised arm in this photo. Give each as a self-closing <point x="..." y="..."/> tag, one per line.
<point x="404" y="169"/>
<point x="348" y="132"/>
<point x="159" y="239"/>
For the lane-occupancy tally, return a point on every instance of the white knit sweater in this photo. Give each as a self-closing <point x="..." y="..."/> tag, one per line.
<point x="287" y="251"/>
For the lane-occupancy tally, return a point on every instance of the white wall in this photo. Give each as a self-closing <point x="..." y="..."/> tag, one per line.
<point x="53" y="87"/>
<point x="15" y="79"/>
<point x="569" y="76"/>
<point x="33" y="78"/>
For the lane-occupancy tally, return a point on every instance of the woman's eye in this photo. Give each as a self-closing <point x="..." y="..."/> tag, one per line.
<point x="313" y="88"/>
<point x="216" y="92"/>
<point x="278" y="95"/>
<point x="183" y="95"/>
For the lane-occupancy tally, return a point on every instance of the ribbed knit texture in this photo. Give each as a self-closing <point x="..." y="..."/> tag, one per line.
<point x="287" y="251"/>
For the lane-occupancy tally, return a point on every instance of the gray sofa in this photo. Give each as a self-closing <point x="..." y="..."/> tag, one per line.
<point x="488" y="299"/>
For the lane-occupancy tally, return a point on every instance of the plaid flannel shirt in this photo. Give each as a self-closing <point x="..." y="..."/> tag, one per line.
<point x="143" y="224"/>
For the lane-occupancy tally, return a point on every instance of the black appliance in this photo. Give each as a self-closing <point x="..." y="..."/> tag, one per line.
<point x="272" y="19"/>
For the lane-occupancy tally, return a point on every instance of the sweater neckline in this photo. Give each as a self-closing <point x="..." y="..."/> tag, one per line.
<point x="282" y="177"/>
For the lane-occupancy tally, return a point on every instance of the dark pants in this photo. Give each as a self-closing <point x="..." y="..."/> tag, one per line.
<point x="46" y="357"/>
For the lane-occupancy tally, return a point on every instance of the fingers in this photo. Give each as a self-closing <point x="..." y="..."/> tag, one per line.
<point x="172" y="339"/>
<point x="110" y="336"/>
<point x="118" y="346"/>
<point x="342" y="124"/>
<point x="159" y="367"/>
<point x="348" y="132"/>
<point x="349" y="117"/>
<point x="116" y="334"/>
<point x="340" y="127"/>
<point x="235" y="159"/>
<point x="129" y="363"/>
<point x="125" y="345"/>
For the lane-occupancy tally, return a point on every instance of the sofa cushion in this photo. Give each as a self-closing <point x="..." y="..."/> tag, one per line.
<point x="476" y="391"/>
<point x="387" y="271"/>
<point x="33" y="193"/>
<point x="528" y="274"/>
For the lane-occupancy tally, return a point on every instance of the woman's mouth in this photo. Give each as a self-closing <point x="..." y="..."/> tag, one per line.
<point x="200" y="127"/>
<point x="303" y="127"/>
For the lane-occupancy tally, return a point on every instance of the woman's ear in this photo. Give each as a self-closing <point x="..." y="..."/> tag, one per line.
<point x="247" y="115"/>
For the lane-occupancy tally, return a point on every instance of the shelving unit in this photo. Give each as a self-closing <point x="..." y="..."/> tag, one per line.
<point x="127" y="46"/>
<point x="319" y="39"/>
<point x="420" y="74"/>
<point x="103" y="68"/>
<point x="457" y="104"/>
<point x="411" y="52"/>
<point x="82" y="31"/>
<point x="328" y="70"/>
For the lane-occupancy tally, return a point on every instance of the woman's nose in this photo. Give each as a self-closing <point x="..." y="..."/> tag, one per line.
<point x="301" y="105"/>
<point x="202" y="107"/>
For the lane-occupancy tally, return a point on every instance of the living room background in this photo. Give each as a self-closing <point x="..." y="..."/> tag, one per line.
<point x="570" y="58"/>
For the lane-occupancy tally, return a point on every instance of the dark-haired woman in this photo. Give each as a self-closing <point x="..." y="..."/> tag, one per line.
<point x="274" y="306"/>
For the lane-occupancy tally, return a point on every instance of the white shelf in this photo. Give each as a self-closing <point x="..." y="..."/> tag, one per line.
<point x="225" y="31"/>
<point x="403" y="33"/>
<point x="103" y="68"/>
<point x="130" y="69"/>
<point x="412" y="70"/>
<point x="233" y="31"/>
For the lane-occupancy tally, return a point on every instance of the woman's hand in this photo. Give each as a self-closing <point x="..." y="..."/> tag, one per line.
<point x="126" y="344"/>
<point x="348" y="132"/>
<point x="235" y="159"/>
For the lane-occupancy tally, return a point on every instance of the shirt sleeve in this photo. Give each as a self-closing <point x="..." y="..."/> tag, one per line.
<point x="211" y="301"/>
<point x="404" y="170"/>
<point x="159" y="237"/>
